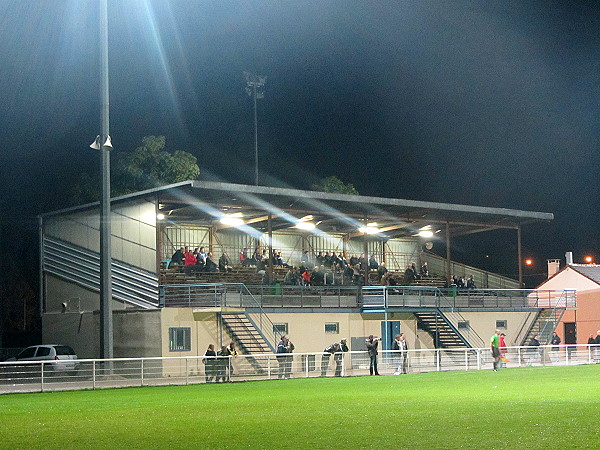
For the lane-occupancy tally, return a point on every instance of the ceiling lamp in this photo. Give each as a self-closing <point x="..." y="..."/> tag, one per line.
<point x="233" y="220"/>
<point x="307" y="226"/>
<point x="370" y="228"/>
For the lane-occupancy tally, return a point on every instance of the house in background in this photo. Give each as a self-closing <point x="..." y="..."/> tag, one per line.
<point x="577" y="324"/>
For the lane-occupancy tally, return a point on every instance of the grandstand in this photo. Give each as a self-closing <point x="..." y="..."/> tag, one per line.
<point x="162" y="310"/>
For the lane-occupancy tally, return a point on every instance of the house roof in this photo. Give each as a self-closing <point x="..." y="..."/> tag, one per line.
<point x="204" y="202"/>
<point x="591" y="271"/>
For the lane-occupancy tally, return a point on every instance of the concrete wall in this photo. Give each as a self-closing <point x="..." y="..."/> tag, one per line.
<point x="135" y="333"/>
<point x="78" y="299"/>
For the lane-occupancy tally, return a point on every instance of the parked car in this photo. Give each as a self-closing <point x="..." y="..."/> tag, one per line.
<point x="63" y="357"/>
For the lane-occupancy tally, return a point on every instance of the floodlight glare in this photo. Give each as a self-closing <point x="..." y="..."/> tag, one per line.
<point x="426" y="233"/>
<point x="369" y="229"/>
<point x="307" y="226"/>
<point x="160" y="216"/>
<point x="233" y="220"/>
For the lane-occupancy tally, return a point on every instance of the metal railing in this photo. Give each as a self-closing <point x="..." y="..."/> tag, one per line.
<point x="122" y="372"/>
<point x="229" y="294"/>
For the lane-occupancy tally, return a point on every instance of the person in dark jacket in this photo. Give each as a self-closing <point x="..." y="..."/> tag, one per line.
<point x="330" y="350"/>
<point x="209" y="364"/>
<point x="222" y="364"/>
<point x="534" y="352"/>
<point x="285" y="347"/>
<point x="372" y="344"/>
<point x="339" y="357"/>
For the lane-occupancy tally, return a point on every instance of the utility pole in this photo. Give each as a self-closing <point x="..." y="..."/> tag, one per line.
<point x="255" y="88"/>
<point x="103" y="143"/>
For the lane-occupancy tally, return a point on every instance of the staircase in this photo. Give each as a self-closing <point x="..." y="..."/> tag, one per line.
<point x="448" y="335"/>
<point x="248" y="338"/>
<point x="547" y="319"/>
<point x="544" y="324"/>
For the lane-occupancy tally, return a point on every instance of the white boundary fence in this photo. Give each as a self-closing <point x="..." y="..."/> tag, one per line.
<point x="39" y="376"/>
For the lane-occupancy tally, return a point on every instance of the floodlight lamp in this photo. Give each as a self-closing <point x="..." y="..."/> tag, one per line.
<point x="589" y="259"/>
<point x="160" y="216"/>
<point x="529" y="262"/>
<point x="233" y="220"/>
<point x="307" y="226"/>
<point x="426" y="233"/>
<point x="368" y="229"/>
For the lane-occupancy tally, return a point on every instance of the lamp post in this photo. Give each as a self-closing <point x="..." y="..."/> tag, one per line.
<point x="254" y="87"/>
<point x="103" y="143"/>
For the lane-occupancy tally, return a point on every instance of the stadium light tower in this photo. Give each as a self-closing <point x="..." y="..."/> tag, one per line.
<point x="255" y="88"/>
<point x="103" y="143"/>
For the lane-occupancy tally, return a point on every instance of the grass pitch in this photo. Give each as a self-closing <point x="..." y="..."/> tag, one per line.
<point x="541" y="407"/>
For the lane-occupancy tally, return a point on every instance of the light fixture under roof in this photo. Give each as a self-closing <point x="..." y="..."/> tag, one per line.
<point x="307" y="226"/>
<point x="233" y="220"/>
<point x="370" y="228"/>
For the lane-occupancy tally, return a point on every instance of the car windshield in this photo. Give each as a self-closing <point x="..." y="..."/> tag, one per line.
<point x="64" y="350"/>
<point x="27" y="353"/>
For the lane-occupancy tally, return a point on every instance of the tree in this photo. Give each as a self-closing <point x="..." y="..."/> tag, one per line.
<point x="334" y="184"/>
<point x="146" y="167"/>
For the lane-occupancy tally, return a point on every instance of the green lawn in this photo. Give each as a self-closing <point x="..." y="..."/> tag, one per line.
<point x="541" y="407"/>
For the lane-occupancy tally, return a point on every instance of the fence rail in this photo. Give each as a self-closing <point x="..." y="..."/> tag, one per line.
<point x="232" y="295"/>
<point x="125" y="372"/>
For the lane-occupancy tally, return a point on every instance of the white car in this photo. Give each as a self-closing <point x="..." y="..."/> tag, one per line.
<point x="63" y="357"/>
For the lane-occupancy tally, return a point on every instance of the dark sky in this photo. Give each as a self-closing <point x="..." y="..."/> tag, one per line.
<point x="491" y="103"/>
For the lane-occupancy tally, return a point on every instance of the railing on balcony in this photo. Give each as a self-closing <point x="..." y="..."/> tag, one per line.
<point x="238" y="295"/>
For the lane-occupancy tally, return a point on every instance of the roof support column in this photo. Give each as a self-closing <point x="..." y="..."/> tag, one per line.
<point x="520" y="255"/>
<point x="366" y="252"/>
<point x="270" y="241"/>
<point x="211" y="239"/>
<point x="448" y="253"/>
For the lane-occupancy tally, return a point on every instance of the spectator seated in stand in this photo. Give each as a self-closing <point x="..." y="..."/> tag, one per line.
<point x="353" y="260"/>
<point x="471" y="283"/>
<point x="317" y="278"/>
<point x="320" y="259"/>
<point x="373" y="264"/>
<point x="224" y="263"/>
<point x="305" y="260"/>
<point x="382" y="270"/>
<point x="190" y="262"/>
<point x="409" y="275"/>
<point x="210" y="265"/>
<point x="244" y="260"/>
<point x="178" y="257"/>
<point x="424" y="270"/>
<point x="306" y="277"/>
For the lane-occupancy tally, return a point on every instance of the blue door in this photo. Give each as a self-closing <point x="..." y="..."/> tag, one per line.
<point x="389" y="329"/>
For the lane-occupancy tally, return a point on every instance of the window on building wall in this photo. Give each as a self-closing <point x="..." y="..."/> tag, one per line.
<point x="280" y="329"/>
<point x="180" y="339"/>
<point x="463" y="325"/>
<point x="501" y="324"/>
<point x="332" y="328"/>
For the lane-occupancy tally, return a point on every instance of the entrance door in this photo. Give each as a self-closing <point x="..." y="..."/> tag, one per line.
<point x="570" y="335"/>
<point x="389" y="329"/>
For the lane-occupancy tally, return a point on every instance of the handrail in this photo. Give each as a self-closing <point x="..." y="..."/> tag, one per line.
<point x="456" y="317"/>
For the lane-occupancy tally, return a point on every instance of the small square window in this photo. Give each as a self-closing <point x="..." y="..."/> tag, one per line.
<point x="501" y="324"/>
<point x="280" y="329"/>
<point x="180" y="339"/>
<point x="332" y="328"/>
<point x="464" y="325"/>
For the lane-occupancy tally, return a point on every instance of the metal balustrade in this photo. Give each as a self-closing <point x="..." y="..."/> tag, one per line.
<point x="126" y="372"/>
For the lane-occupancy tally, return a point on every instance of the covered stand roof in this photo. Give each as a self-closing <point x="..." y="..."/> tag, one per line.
<point x="205" y="203"/>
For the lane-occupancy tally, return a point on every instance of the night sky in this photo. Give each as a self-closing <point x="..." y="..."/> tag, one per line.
<point x="492" y="103"/>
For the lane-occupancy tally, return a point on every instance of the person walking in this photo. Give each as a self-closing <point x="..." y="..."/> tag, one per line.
<point x="372" y="344"/>
<point x="495" y="348"/>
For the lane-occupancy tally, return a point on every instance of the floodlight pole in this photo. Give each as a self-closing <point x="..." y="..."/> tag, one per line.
<point x="106" y="323"/>
<point x="254" y="88"/>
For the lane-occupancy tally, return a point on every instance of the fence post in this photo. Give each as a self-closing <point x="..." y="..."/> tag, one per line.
<point x="438" y="359"/>
<point x="478" y="359"/>
<point x="94" y="374"/>
<point x="306" y="365"/>
<point x="186" y="371"/>
<point x="466" y="360"/>
<point x="142" y="372"/>
<point x="42" y="377"/>
<point x="269" y="367"/>
<point x="519" y="355"/>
